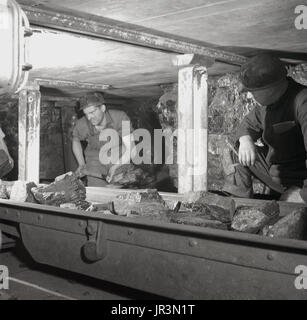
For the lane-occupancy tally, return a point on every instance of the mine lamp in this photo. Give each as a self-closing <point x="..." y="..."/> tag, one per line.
<point x="14" y="31"/>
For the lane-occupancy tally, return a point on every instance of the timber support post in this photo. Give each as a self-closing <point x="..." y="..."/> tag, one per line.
<point x="192" y="138"/>
<point x="29" y="133"/>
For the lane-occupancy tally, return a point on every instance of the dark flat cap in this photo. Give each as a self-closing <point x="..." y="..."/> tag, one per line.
<point x="261" y="72"/>
<point x="92" y="99"/>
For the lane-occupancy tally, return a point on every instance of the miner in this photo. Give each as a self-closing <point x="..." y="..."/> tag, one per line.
<point x="280" y="122"/>
<point x="102" y="129"/>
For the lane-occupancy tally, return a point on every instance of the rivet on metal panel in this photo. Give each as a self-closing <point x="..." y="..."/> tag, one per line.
<point x="130" y="232"/>
<point x="270" y="256"/>
<point x="30" y="99"/>
<point x="193" y="243"/>
<point x="40" y="217"/>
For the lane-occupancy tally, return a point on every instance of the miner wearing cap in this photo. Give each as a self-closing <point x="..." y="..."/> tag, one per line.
<point x="280" y="121"/>
<point x="90" y="128"/>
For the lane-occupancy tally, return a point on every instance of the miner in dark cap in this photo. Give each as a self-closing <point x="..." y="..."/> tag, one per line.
<point x="280" y="121"/>
<point x="102" y="156"/>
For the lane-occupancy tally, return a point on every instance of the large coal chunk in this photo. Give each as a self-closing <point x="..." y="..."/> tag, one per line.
<point x="199" y="220"/>
<point x="253" y="219"/>
<point x="49" y="198"/>
<point x="210" y="205"/>
<point x="145" y="203"/>
<point x="292" y="226"/>
<point x="141" y="196"/>
<point x="82" y="205"/>
<point x="65" y="188"/>
<point x="130" y="175"/>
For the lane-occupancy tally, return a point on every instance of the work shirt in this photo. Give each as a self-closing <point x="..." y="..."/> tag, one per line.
<point x="85" y="131"/>
<point x="283" y="129"/>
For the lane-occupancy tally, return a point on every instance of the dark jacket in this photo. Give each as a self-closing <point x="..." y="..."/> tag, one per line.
<point x="283" y="129"/>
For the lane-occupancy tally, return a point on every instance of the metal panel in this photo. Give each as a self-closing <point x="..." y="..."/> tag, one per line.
<point x="171" y="260"/>
<point x="163" y="272"/>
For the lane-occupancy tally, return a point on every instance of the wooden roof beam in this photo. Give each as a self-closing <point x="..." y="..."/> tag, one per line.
<point x="55" y="83"/>
<point x="104" y="28"/>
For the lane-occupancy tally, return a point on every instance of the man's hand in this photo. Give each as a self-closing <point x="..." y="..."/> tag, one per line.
<point x="111" y="172"/>
<point x="81" y="171"/>
<point x="292" y="195"/>
<point x="247" y="151"/>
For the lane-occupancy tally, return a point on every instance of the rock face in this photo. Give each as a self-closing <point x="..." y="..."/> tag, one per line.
<point x="292" y="226"/>
<point x="210" y="206"/>
<point x="21" y="191"/>
<point x="66" y="188"/>
<point x="167" y="113"/>
<point x="51" y="140"/>
<point x="227" y="107"/>
<point x="253" y="219"/>
<point x="298" y="73"/>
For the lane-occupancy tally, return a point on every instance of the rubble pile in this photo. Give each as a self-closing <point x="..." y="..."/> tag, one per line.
<point x="210" y="205"/>
<point x="66" y="188"/>
<point x="203" y="209"/>
<point x="210" y="210"/>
